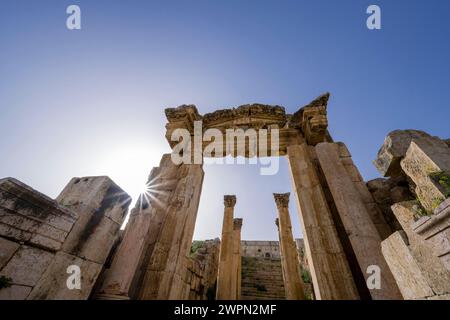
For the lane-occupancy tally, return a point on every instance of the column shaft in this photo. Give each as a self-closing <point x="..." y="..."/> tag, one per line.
<point x="330" y="271"/>
<point x="225" y="279"/>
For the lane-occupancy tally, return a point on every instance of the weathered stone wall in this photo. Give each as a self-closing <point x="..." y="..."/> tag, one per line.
<point x="201" y="270"/>
<point x="418" y="254"/>
<point x="261" y="249"/>
<point x="40" y="237"/>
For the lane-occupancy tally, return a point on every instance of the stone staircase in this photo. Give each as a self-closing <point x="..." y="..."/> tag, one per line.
<point x="262" y="279"/>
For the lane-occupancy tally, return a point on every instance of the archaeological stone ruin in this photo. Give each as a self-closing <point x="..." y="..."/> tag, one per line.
<point x="388" y="238"/>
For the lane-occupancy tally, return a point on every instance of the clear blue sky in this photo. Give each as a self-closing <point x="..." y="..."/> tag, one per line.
<point x="90" y="102"/>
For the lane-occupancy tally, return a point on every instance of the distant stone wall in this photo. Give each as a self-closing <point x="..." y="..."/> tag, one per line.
<point x="261" y="249"/>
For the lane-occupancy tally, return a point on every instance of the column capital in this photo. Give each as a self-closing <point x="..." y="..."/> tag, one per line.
<point x="229" y="201"/>
<point x="237" y="223"/>
<point x="282" y="199"/>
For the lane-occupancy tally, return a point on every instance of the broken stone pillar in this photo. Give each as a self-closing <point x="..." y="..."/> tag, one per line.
<point x="427" y="163"/>
<point x="171" y="202"/>
<point x="101" y="207"/>
<point x="293" y="283"/>
<point x="330" y="272"/>
<point x="237" y="266"/>
<point x="225" y="277"/>
<point x="418" y="270"/>
<point x="356" y="218"/>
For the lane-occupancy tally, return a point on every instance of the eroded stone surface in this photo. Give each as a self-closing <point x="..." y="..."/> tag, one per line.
<point x="394" y="149"/>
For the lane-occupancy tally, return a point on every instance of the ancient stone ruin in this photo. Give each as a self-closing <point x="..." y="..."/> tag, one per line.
<point x="388" y="238"/>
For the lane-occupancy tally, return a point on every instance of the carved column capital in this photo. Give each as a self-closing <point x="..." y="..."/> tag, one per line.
<point x="229" y="201"/>
<point x="237" y="223"/>
<point x="282" y="199"/>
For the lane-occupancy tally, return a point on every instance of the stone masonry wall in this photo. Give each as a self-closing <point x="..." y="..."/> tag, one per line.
<point x="40" y="237"/>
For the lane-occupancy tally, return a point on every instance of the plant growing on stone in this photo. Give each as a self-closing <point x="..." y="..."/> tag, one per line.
<point x="306" y="276"/>
<point x="5" y="282"/>
<point x="443" y="180"/>
<point x="195" y="246"/>
<point x="419" y="210"/>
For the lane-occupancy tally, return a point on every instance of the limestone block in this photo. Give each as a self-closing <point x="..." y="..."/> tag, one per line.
<point x="53" y="283"/>
<point x="422" y="159"/>
<point x="29" y="216"/>
<point x="357" y="220"/>
<point x="15" y="292"/>
<point x="425" y="251"/>
<point x="7" y="250"/>
<point x="407" y="273"/>
<point x="394" y="149"/>
<point x="435" y="231"/>
<point x="119" y="277"/>
<point x="27" y="265"/>
<point x="101" y="206"/>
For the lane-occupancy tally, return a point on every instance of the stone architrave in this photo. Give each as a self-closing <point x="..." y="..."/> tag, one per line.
<point x="423" y="159"/>
<point x="225" y="278"/>
<point x="330" y="272"/>
<point x="237" y="266"/>
<point x="293" y="284"/>
<point x="362" y="233"/>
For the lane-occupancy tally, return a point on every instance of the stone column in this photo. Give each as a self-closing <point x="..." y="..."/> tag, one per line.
<point x="291" y="272"/>
<point x="225" y="278"/>
<point x="237" y="267"/>
<point x="330" y="271"/>
<point x="172" y="202"/>
<point x="356" y="218"/>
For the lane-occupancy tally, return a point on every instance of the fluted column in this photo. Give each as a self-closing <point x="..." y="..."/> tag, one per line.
<point x="225" y="278"/>
<point x="237" y="226"/>
<point x="291" y="272"/>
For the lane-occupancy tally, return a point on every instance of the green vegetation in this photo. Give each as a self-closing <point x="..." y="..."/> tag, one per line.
<point x="306" y="276"/>
<point x="5" y="282"/>
<point x="195" y="246"/>
<point x="419" y="210"/>
<point x="443" y="180"/>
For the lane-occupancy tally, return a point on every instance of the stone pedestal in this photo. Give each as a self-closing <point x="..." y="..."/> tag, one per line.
<point x="356" y="218"/>
<point x="330" y="271"/>
<point x="293" y="283"/>
<point x="225" y="281"/>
